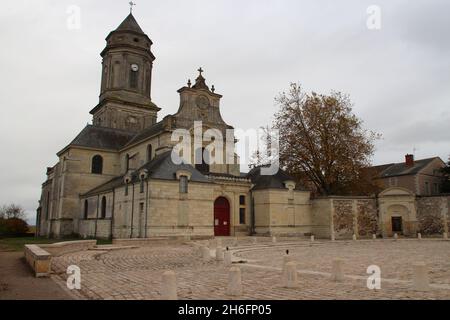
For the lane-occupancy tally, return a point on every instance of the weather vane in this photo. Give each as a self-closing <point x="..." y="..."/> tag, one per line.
<point x="131" y="6"/>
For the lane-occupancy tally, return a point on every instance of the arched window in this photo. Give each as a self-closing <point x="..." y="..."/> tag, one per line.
<point x="149" y="152"/>
<point x="204" y="166"/>
<point x="86" y="209"/>
<point x="127" y="162"/>
<point x="103" y="208"/>
<point x="97" y="164"/>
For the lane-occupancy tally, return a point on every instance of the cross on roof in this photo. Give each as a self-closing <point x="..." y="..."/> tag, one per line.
<point x="200" y="70"/>
<point x="131" y="3"/>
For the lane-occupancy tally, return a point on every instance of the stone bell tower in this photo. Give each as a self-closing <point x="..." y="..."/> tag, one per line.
<point x="125" y="95"/>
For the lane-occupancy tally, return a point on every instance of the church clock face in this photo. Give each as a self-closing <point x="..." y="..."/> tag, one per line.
<point x="202" y="102"/>
<point x="134" y="67"/>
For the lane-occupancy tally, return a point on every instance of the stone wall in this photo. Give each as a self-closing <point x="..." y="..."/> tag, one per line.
<point x="367" y="217"/>
<point x="432" y="215"/>
<point x="343" y="218"/>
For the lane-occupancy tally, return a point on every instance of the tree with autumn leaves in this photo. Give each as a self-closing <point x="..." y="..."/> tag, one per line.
<point x="323" y="144"/>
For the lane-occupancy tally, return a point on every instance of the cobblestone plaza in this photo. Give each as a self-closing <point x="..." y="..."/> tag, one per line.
<point x="136" y="274"/>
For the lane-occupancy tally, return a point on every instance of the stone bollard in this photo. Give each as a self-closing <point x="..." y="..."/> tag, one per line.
<point x="169" y="289"/>
<point x="218" y="243"/>
<point x="290" y="277"/>
<point x="286" y="259"/>
<point x="235" y="242"/>
<point x="274" y="239"/>
<point x="212" y="244"/>
<point x="228" y="258"/>
<point x="333" y="237"/>
<point x="395" y="236"/>
<point x="419" y="236"/>
<point x="354" y="237"/>
<point x="254" y="240"/>
<point x="337" y="270"/>
<point x="206" y="253"/>
<point x="219" y="254"/>
<point x="421" y="281"/>
<point x="312" y="238"/>
<point x="234" y="282"/>
<point x="374" y="236"/>
<point x="445" y="236"/>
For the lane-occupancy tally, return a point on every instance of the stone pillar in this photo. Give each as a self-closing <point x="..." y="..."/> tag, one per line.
<point x="234" y="282"/>
<point x="337" y="270"/>
<point x="312" y="238"/>
<point x="419" y="236"/>
<point x="274" y="239"/>
<point x="374" y="236"/>
<point x="218" y="242"/>
<point x="290" y="275"/>
<point x="206" y="253"/>
<point x="254" y="240"/>
<point x="395" y="236"/>
<point x="354" y="237"/>
<point x="332" y="211"/>
<point x="355" y="217"/>
<point x="219" y="254"/>
<point x="444" y="212"/>
<point x="421" y="281"/>
<point x="235" y="242"/>
<point x="228" y="258"/>
<point x="169" y="289"/>
<point x="286" y="259"/>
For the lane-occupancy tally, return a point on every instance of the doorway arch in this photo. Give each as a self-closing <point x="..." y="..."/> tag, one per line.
<point x="222" y="217"/>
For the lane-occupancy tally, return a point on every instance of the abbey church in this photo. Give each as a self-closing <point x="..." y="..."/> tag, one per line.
<point x="117" y="177"/>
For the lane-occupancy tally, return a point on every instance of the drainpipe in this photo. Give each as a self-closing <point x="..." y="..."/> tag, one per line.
<point x="132" y="213"/>
<point x="96" y="218"/>
<point x="252" y="214"/>
<point x="112" y="213"/>
<point x="146" y="211"/>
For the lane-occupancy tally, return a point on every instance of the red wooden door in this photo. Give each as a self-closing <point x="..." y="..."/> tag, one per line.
<point x="221" y="217"/>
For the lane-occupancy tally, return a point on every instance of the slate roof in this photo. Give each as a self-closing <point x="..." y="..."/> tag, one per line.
<point x="275" y="181"/>
<point x="401" y="169"/>
<point x="161" y="167"/>
<point x="130" y="24"/>
<point x="147" y="133"/>
<point x="102" y="138"/>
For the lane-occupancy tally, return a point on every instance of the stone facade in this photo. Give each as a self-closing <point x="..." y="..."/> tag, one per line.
<point x="117" y="178"/>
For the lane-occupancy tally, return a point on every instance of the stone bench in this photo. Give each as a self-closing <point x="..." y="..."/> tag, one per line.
<point x="38" y="259"/>
<point x="60" y="248"/>
<point x="142" y="242"/>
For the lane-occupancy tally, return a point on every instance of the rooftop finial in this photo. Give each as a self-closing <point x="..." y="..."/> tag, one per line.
<point x="132" y="4"/>
<point x="200" y="70"/>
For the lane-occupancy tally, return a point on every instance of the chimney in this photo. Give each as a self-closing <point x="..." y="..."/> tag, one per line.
<point x="409" y="160"/>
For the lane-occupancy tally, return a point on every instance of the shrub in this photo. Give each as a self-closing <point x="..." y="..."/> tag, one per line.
<point x="13" y="227"/>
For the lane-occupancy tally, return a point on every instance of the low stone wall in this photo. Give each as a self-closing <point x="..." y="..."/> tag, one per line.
<point x="38" y="259"/>
<point x="142" y="242"/>
<point x="60" y="248"/>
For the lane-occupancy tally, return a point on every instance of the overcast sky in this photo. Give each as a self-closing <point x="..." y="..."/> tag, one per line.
<point x="398" y="77"/>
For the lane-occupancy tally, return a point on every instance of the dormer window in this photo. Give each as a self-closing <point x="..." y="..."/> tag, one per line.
<point x="97" y="165"/>
<point x="184" y="184"/>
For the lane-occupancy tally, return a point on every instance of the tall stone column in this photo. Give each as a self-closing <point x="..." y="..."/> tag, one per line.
<point x="355" y="217"/>
<point x="445" y="213"/>
<point x="332" y="211"/>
